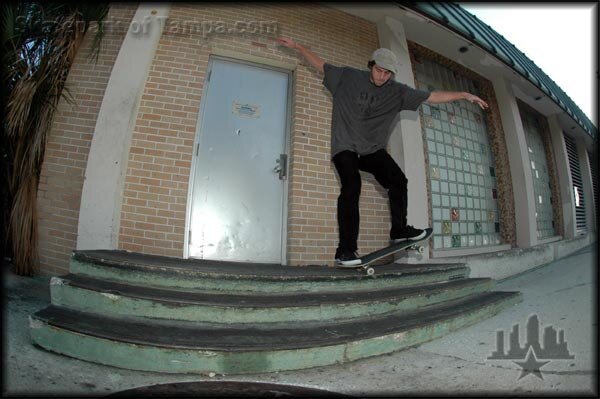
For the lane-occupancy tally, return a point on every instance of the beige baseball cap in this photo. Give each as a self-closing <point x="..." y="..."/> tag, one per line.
<point x="386" y="59"/>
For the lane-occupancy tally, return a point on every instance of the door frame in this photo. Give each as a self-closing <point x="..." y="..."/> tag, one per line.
<point x="198" y="136"/>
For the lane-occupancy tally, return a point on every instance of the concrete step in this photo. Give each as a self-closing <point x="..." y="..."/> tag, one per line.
<point x="198" y="347"/>
<point x="105" y="297"/>
<point x="231" y="277"/>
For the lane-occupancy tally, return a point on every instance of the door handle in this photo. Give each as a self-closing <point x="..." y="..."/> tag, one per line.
<point x="281" y="167"/>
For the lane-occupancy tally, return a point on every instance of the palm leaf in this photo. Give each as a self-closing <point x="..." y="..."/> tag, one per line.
<point x="37" y="59"/>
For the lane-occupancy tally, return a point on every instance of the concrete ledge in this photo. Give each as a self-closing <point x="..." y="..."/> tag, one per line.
<point x="549" y="240"/>
<point x="452" y="253"/>
<point x="505" y="264"/>
<point x="509" y="263"/>
<point x="567" y="247"/>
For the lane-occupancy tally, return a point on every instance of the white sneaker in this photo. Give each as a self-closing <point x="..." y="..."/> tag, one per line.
<point x="348" y="259"/>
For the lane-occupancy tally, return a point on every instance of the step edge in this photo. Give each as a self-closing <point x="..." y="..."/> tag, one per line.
<point x="402" y="293"/>
<point x="243" y="363"/>
<point x="505" y="296"/>
<point x="231" y="314"/>
<point x="339" y="274"/>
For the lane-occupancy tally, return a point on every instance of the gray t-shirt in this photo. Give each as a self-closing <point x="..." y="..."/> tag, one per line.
<point x="362" y="112"/>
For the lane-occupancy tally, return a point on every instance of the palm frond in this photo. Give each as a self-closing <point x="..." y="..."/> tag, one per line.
<point x="23" y="225"/>
<point x="37" y="62"/>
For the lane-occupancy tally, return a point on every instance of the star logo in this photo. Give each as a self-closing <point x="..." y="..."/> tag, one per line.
<point x="531" y="365"/>
<point x="552" y="346"/>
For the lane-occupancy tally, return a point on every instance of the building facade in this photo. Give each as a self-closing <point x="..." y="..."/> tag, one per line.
<point x="196" y="135"/>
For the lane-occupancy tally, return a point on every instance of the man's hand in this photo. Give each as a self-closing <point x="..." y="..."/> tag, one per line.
<point x="308" y="55"/>
<point x="474" y="99"/>
<point x="284" y="41"/>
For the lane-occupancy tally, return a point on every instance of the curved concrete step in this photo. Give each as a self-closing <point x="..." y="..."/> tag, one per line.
<point x="231" y="277"/>
<point x="109" y="297"/>
<point x="185" y="347"/>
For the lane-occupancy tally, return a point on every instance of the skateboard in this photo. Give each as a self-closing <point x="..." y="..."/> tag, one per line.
<point x="408" y="245"/>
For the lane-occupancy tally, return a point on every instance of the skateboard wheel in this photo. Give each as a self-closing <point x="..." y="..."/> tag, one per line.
<point x="421" y="249"/>
<point x="370" y="271"/>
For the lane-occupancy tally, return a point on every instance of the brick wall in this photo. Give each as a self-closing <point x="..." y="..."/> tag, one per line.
<point x="155" y="196"/>
<point x="63" y="170"/>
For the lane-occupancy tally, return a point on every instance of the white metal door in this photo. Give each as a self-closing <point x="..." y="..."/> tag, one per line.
<point x="238" y="202"/>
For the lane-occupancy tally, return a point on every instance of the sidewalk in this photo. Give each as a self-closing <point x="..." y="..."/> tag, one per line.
<point x="561" y="294"/>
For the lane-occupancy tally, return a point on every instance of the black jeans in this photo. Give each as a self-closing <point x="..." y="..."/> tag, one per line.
<point x="387" y="173"/>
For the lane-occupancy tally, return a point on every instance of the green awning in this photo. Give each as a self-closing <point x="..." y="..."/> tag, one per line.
<point x="456" y="18"/>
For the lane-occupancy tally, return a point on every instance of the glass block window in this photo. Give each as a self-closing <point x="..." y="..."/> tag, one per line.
<point x="462" y="175"/>
<point x="542" y="189"/>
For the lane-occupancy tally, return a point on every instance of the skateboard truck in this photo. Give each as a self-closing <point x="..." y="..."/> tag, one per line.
<point x="371" y="271"/>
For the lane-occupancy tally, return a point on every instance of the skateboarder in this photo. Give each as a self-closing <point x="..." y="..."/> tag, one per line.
<point x="365" y="103"/>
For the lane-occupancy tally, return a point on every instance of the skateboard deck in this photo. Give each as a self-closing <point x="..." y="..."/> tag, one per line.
<point x="366" y="260"/>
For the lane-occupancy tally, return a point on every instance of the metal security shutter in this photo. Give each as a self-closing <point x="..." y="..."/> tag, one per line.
<point x="594" y="169"/>
<point x="579" y="200"/>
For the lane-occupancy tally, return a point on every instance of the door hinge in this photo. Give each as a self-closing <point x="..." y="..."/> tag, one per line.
<point x="197" y="148"/>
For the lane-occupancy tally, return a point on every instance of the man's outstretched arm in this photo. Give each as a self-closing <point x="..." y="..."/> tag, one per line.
<point x="308" y="55"/>
<point x="438" y="97"/>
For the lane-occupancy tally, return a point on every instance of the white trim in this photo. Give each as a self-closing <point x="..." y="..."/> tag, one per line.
<point x="406" y="141"/>
<point x="102" y="192"/>
<point x="518" y="159"/>
<point x="565" y="182"/>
